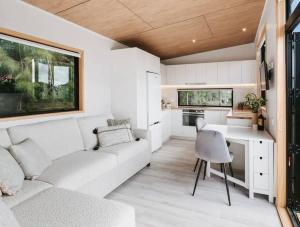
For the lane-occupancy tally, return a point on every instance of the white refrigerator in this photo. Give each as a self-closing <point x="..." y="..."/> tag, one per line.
<point x="154" y="110"/>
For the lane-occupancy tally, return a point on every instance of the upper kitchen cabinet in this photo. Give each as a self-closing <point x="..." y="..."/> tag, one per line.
<point x="249" y="71"/>
<point x="235" y="72"/>
<point x="176" y="74"/>
<point x="210" y="73"/>
<point x="163" y="73"/>
<point x="223" y="73"/>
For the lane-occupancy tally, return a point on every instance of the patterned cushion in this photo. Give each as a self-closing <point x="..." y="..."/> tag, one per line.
<point x="11" y="174"/>
<point x="112" y="135"/>
<point x="31" y="157"/>
<point x="113" y="122"/>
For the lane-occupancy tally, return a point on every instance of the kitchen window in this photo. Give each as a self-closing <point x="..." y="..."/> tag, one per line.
<point x="205" y="97"/>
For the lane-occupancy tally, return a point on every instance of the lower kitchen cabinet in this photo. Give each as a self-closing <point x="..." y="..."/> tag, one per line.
<point x="166" y="123"/>
<point x="172" y="123"/>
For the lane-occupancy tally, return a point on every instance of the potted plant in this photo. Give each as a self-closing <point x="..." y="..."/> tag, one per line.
<point x="253" y="102"/>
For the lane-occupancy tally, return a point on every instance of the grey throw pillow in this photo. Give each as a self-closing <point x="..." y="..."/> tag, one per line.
<point x="112" y="135"/>
<point x="11" y="174"/>
<point x="7" y="217"/>
<point x="114" y="122"/>
<point x="31" y="158"/>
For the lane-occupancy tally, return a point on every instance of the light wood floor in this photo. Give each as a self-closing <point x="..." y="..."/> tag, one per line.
<point x="161" y="195"/>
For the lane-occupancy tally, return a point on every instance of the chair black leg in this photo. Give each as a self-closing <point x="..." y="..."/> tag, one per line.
<point x="196" y="164"/>
<point x="197" y="177"/>
<point x="231" y="172"/>
<point x="227" y="189"/>
<point x="205" y="167"/>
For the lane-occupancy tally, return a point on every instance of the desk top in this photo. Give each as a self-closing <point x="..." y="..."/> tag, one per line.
<point x="240" y="133"/>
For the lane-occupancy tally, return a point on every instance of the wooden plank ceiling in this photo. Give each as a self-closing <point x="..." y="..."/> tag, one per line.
<point x="165" y="28"/>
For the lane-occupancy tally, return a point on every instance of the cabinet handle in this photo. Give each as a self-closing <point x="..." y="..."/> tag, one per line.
<point x="260" y="174"/>
<point x="260" y="158"/>
<point x="260" y="142"/>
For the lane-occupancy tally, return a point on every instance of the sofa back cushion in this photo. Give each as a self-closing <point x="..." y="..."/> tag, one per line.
<point x="7" y="217"/>
<point x="87" y="125"/>
<point x="4" y="138"/>
<point x="57" y="138"/>
<point x="11" y="174"/>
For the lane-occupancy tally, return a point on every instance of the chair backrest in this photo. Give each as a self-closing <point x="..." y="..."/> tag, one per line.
<point x="200" y="123"/>
<point x="211" y="146"/>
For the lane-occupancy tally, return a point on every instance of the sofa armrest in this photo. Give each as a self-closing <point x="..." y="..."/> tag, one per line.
<point x="141" y="133"/>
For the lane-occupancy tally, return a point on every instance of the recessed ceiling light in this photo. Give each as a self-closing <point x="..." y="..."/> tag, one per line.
<point x="194" y="40"/>
<point x="244" y="29"/>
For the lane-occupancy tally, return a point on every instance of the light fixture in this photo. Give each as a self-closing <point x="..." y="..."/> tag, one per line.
<point x="244" y="29"/>
<point x="194" y="40"/>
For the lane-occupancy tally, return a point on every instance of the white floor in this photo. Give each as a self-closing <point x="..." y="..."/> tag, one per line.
<point x="161" y="195"/>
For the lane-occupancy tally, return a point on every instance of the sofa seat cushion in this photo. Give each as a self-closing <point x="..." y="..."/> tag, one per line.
<point x="126" y="151"/>
<point x="29" y="189"/>
<point x="76" y="169"/>
<point x="57" y="137"/>
<point x="60" y="208"/>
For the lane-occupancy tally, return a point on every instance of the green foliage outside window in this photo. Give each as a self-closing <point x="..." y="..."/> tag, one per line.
<point x="35" y="80"/>
<point x="205" y="97"/>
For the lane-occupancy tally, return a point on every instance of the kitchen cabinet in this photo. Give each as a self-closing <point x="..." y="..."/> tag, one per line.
<point x="212" y="116"/>
<point x="191" y="74"/>
<point x="176" y="74"/>
<point x="129" y="84"/>
<point x="249" y="71"/>
<point x="223" y="73"/>
<point x="235" y="72"/>
<point x="216" y="116"/>
<point x="163" y="74"/>
<point x="189" y="131"/>
<point x="210" y="73"/>
<point x="177" y="127"/>
<point x="231" y="72"/>
<point x="166" y="125"/>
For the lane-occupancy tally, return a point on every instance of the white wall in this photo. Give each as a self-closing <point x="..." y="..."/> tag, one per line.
<point x="269" y="19"/>
<point x="236" y="53"/>
<point x="21" y="17"/>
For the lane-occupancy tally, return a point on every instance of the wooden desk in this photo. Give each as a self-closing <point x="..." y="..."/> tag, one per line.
<point x="259" y="158"/>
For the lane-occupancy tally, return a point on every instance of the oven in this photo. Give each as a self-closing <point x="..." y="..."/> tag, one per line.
<point x="189" y="116"/>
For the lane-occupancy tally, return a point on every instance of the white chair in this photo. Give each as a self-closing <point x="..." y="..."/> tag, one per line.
<point x="211" y="146"/>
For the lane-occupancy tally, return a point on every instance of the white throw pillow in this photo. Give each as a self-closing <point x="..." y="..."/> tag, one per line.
<point x="7" y="218"/>
<point x="112" y="135"/>
<point x="31" y="157"/>
<point x="11" y="174"/>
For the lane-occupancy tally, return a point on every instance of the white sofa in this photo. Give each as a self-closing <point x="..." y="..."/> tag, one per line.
<point x="56" y="198"/>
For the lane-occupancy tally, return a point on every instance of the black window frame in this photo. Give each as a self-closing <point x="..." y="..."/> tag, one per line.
<point x="292" y="20"/>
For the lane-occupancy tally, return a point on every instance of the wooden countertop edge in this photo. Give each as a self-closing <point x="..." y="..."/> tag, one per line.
<point x="240" y="117"/>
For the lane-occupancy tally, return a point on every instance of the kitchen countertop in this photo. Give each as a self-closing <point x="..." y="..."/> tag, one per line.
<point x="240" y="114"/>
<point x="201" y="108"/>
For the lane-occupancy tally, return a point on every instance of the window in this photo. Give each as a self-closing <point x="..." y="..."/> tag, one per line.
<point x="205" y="97"/>
<point x="292" y="5"/>
<point x="293" y="110"/>
<point x="36" y="78"/>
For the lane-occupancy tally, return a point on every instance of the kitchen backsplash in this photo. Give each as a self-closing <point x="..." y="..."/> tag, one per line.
<point x="170" y="95"/>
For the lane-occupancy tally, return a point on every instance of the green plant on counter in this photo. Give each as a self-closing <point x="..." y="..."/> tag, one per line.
<point x="252" y="101"/>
